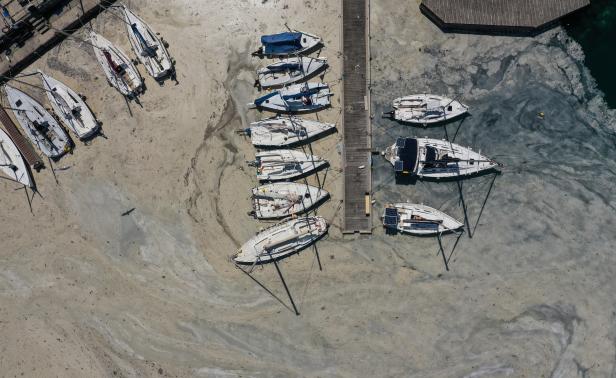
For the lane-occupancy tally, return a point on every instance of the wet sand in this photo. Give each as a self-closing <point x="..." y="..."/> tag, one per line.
<point x="85" y="291"/>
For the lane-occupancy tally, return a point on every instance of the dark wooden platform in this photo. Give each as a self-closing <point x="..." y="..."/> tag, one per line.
<point x="525" y="16"/>
<point x="356" y="117"/>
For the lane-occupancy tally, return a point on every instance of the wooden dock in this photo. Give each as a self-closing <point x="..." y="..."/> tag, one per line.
<point x="356" y="117"/>
<point x="515" y="16"/>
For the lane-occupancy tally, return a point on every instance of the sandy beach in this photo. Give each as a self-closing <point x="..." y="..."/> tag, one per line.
<point x="88" y="292"/>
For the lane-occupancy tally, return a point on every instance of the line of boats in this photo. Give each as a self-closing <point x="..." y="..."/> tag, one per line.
<point x="426" y="158"/>
<point x="277" y="164"/>
<point x="46" y="129"/>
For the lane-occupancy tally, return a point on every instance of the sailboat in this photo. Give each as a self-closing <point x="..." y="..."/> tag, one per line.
<point x="39" y="126"/>
<point x="419" y="220"/>
<point x="296" y="98"/>
<point x="12" y="163"/>
<point x="278" y="165"/>
<point x="435" y="158"/>
<point x="70" y="108"/>
<point x="426" y="109"/>
<point x="149" y="49"/>
<point x="290" y="70"/>
<point x="284" y="199"/>
<point x="286" y="131"/>
<point x="120" y="71"/>
<point x="281" y="240"/>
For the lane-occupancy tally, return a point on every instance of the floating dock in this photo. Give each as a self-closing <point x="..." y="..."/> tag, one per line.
<point x="499" y="16"/>
<point x="356" y="117"/>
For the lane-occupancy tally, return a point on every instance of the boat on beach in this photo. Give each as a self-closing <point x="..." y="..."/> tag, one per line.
<point x="70" y="108"/>
<point x="279" y="165"/>
<point x="120" y="71"/>
<point x="285" y="131"/>
<point x="290" y="70"/>
<point x="425" y="109"/>
<point x="38" y="124"/>
<point x="287" y="44"/>
<point x="419" y="220"/>
<point x="12" y="163"/>
<point x="435" y="158"/>
<point x="148" y="47"/>
<point x="296" y="98"/>
<point x="281" y="240"/>
<point x="284" y="199"/>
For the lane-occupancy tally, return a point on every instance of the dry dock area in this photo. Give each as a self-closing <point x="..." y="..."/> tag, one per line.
<point x="356" y="117"/>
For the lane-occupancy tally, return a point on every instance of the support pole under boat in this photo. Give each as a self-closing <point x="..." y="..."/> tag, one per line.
<point x="283" y="282"/>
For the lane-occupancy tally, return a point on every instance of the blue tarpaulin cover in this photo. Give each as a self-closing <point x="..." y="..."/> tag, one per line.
<point x="284" y="67"/>
<point x="282" y="43"/>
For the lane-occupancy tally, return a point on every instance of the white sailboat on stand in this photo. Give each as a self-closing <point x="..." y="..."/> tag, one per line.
<point x="70" y="107"/>
<point x="418" y="220"/>
<point x="12" y="163"/>
<point x="150" y="49"/>
<point x="120" y="71"/>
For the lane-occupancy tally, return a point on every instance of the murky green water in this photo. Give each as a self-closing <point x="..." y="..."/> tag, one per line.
<point x="595" y="29"/>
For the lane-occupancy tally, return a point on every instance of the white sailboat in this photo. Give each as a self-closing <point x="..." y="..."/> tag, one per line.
<point x="426" y="109"/>
<point x="120" y="71"/>
<point x="281" y="240"/>
<point x="12" y="163"/>
<point x="290" y="70"/>
<point x="286" y="131"/>
<point x="149" y="49"/>
<point x="419" y="220"/>
<point x="296" y="98"/>
<point x="284" y="199"/>
<point x="70" y="108"/>
<point x="278" y="165"/>
<point x="39" y="126"/>
<point x="435" y="158"/>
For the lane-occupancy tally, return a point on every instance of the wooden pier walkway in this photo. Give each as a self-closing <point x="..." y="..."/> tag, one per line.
<point x="356" y="117"/>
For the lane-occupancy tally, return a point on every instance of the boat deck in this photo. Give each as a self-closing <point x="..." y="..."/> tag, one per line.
<point x="23" y="145"/>
<point x="356" y="117"/>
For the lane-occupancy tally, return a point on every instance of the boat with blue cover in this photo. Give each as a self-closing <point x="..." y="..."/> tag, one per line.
<point x="419" y="220"/>
<point x="297" y="98"/>
<point x="435" y="158"/>
<point x="287" y="44"/>
<point x="289" y="71"/>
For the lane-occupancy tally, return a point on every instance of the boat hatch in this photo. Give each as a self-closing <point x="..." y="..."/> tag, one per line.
<point x="391" y="217"/>
<point x="431" y="154"/>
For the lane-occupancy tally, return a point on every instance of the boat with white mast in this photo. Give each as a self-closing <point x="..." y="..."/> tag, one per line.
<point x="279" y="165"/>
<point x="425" y="109"/>
<point x="38" y="124"/>
<point x="281" y="240"/>
<point x="282" y="131"/>
<point x="435" y="158"/>
<point x="284" y="199"/>
<point x="12" y="163"/>
<point x="290" y="70"/>
<point x="287" y="44"/>
<point x="120" y="71"/>
<point x="70" y="107"/>
<point x="148" y="47"/>
<point x="419" y="220"/>
<point x="296" y="98"/>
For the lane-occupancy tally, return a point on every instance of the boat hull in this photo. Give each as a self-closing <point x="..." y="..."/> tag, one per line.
<point x="281" y="200"/>
<point x="418" y="220"/>
<point x="39" y="126"/>
<point x="281" y="240"/>
<point x="307" y="43"/>
<point x="128" y="83"/>
<point x="297" y="98"/>
<point x="425" y="109"/>
<point x="12" y="163"/>
<point x="303" y="68"/>
<point x="286" y="131"/>
<point x="70" y="108"/>
<point x="155" y="57"/>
